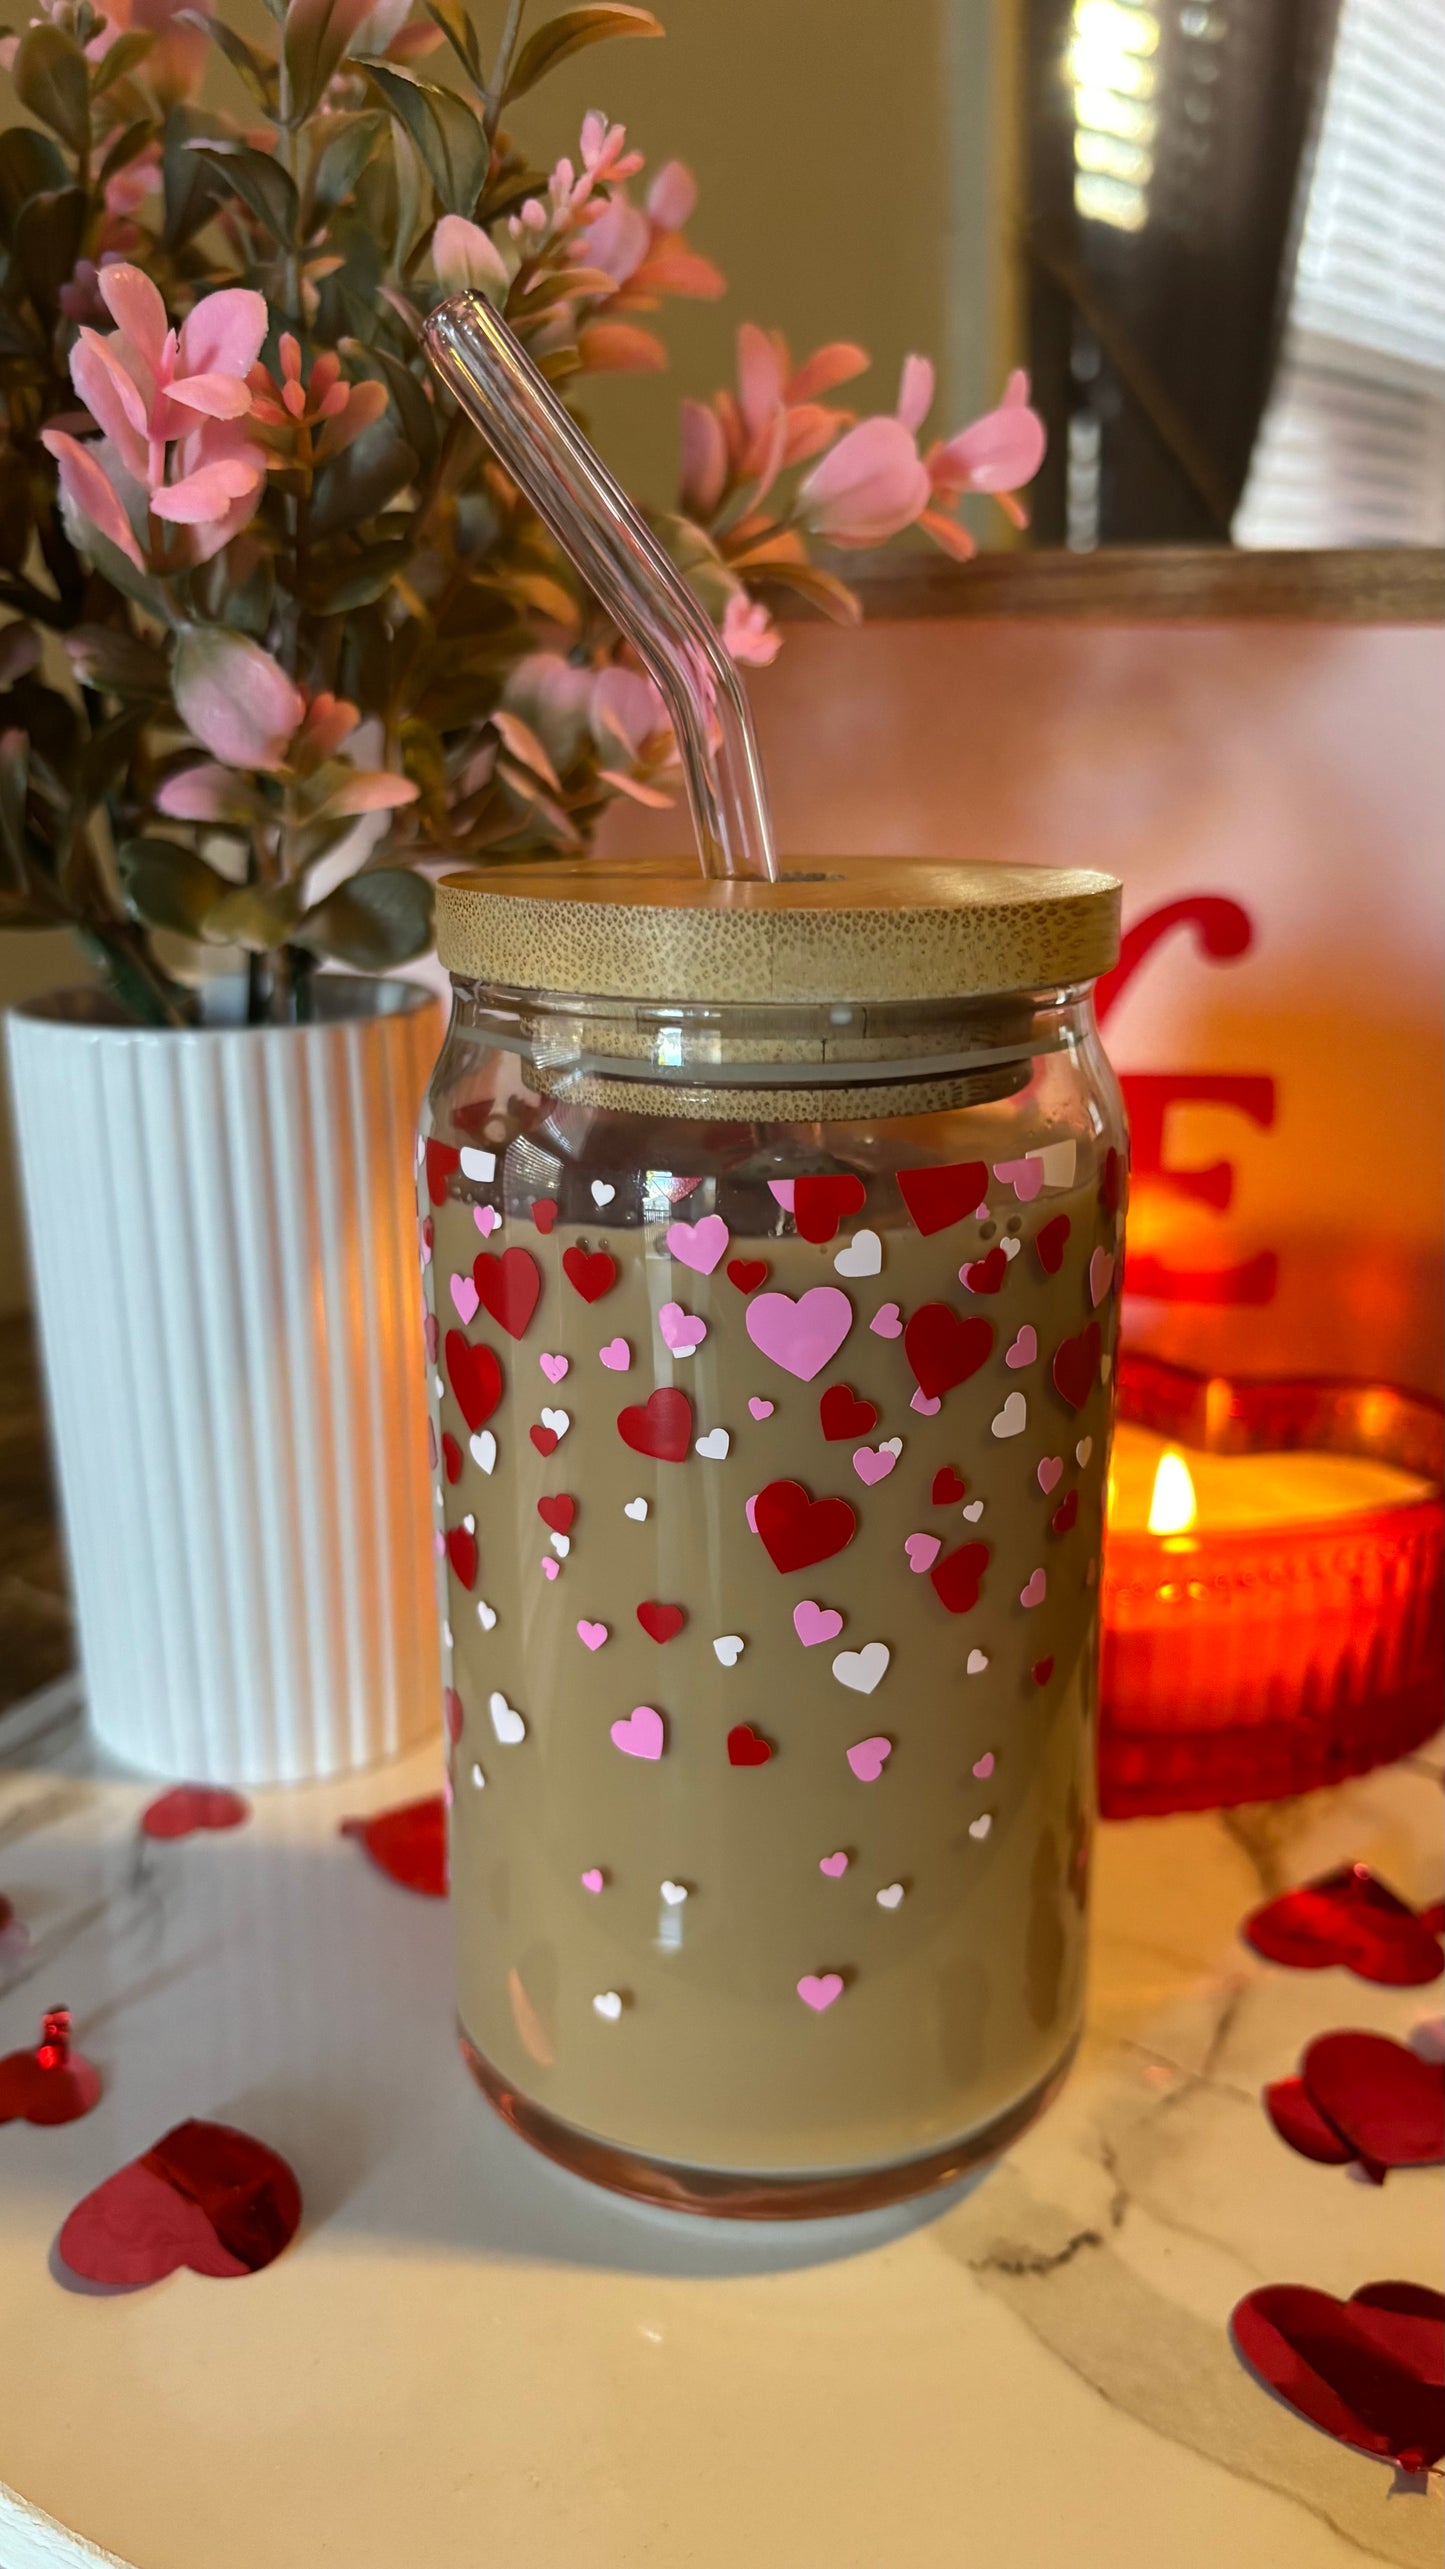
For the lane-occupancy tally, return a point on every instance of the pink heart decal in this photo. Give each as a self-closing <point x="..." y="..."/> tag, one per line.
<point x="1101" y="1275"/>
<point x="813" y="1623"/>
<point x="487" y="1219"/>
<point x="887" y="1322"/>
<point x="922" y="1550"/>
<point x="1024" y="1176"/>
<point x="926" y="1406"/>
<point x="1024" y="1349"/>
<point x="751" y="1513"/>
<point x="678" y="1189"/>
<point x="873" y="1463"/>
<point x="680" y="1331"/>
<point x="594" y="1878"/>
<point x="760" y="1408"/>
<point x="699" y="1245"/>
<point x="984" y="1768"/>
<point x="465" y="1296"/>
<point x="833" y="1865"/>
<point x="1050" y="1472"/>
<point x="800" y="1336"/>
<point x="551" y="1569"/>
<point x="640" y="1734"/>
<point x="616" y="1355"/>
<point x="868" y="1757"/>
<point x="1036" y="1591"/>
<point x="781" y="1191"/>
<point x="556" y="1368"/>
<point x="819" y="1989"/>
<point x="593" y="1634"/>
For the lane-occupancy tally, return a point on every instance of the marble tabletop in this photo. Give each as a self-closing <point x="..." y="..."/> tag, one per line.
<point x="469" y="2357"/>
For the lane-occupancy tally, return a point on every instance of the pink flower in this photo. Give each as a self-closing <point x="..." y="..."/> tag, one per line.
<point x="775" y="419"/>
<point x="235" y="699"/>
<point x="703" y="459"/>
<point x="464" y="255"/>
<point x="749" y="632"/>
<point x="869" y="486"/>
<point x="630" y="724"/>
<point x="327" y="410"/>
<point x="997" y="453"/>
<point x="240" y="704"/>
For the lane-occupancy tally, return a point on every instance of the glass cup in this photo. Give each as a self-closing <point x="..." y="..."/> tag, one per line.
<point x="773" y="1329"/>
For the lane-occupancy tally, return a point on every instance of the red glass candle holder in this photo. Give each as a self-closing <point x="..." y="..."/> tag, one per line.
<point x="1244" y="1665"/>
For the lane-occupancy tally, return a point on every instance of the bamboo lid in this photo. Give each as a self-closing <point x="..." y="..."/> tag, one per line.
<point x="836" y="929"/>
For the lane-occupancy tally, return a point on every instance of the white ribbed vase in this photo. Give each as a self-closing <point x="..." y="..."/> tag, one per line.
<point x="223" y="1241"/>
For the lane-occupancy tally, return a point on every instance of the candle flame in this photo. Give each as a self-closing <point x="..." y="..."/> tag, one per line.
<point x="1172" y="1508"/>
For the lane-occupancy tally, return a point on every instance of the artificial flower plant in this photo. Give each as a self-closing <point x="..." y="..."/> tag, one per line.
<point x="307" y="639"/>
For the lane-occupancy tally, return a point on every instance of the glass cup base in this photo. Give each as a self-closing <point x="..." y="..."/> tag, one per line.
<point x="723" y="2194"/>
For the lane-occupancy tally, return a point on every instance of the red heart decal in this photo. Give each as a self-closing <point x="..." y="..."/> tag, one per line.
<point x="662" y="1427"/>
<point x="948" y="1485"/>
<point x="451" y="1457"/>
<point x="661" y="1622"/>
<point x="796" y="1530"/>
<point x="188" y="1807"/>
<point x="1368" y="2370"/>
<point x="1298" y="2120"/>
<point x="52" y="2084"/>
<point x="206" y="2196"/>
<point x="1041" y="1671"/>
<point x="987" y="1273"/>
<point x="545" y="1439"/>
<point x="509" y="1285"/>
<point x="747" y="1273"/>
<point x="842" y="1414"/>
<point x="1076" y="1362"/>
<point x="544" y="1213"/>
<point x="1051" y="1243"/>
<point x="1386" y="2102"/>
<point x="590" y="1272"/>
<point x="441" y="1159"/>
<point x="1111" y="1182"/>
<point x="944" y="1349"/>
<point x="453" y="1713"/>
<point x="462" y="1553"/>
<point x="1066" y="1514"/>
<point x="408" y="1842"/>
<point x="475" y="1376"/>
<point x="1352" y="1918"/>
<point x="957" y="1577"/>
<point x="937" y="1198"/>
<point x="557" y="1513"/>
<point x="821" y="1203"/>
<point x="745" y="1748"/>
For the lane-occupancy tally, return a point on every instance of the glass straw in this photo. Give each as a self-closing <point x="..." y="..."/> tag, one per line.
<point x="569" y="486"/>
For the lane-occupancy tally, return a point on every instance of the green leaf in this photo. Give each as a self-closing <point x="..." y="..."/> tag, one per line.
<point x="14" y="790"/>
<point x="263" y="186"/>
<point x="169" y="886"/>
<point x="830" y="595"/>
<point x="48" y="236"/>
<point x="192" y="184"/>
<point x="351" y="143"/>
<point x="360" y="581"/>
<point x="127" y="144"/>
<point x="318" y="33"/>
<point x="570" y="34"/>
<point x="125" y="56"/>
<point x="51" y="80"/>
<point x="106" y="657"/>
<point x="107" y="753"/>
<point x="361" y="479"/>
<point x="257" y="70"/>
<point x="419" y="422"/>
<point x="118" y="568"/>
<point x="449" y="137"/>
<point x="29" y="164"/>
<point x="374" y="920"/>
<point x="255" y="915"/>
<point x="461" y="35"/>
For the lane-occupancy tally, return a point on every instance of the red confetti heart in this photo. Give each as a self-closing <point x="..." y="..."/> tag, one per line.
<point x="408" y="1842"/>
<point x="1352" y="1918"/>
<point x="948" y="1485"/>
<point x="451" y="1457"/>
<point x="957" y="1577"/>
<point x="463" y="1554"/>
<point x="1386" y="2102"/>
<point x="509" y="1284"/>
<point x="1066" y="1514"/>
<point x="747" y="1273"/>
<point x="475" y="1376"/>
<point x="52" y="2084"/>
<point x="546" y="1440"/>
<point x="1298" y="2120"/>
<point x="661" y="1622"/>
<point x="1076" y="1362"/>
<point x="944" y="1349"/>
<point x="745" y="1748"/>
<point x="937" y="1198"/>
<point x="987" y="1273"/>
<point x="1111" y="1182"/>
<point x="206" y="2196"/>
<point x="544" y="1213"/>
<point x="1051" y="1243"/>
<point x="188" y="1807"/>
<point x="662" y="1427"/>
<point x="590" y="1272"/>
<point x="1041" y="1671"/>
<point x="452" y="1713"/>
<point x="557" y="1513"/>
<point x="1368" y="2370"/>
<point x="797" y="1530"/>
<point x="441" y="1161"/>
<point x="841" y="1414"/>
<point x="821" y="1203"/>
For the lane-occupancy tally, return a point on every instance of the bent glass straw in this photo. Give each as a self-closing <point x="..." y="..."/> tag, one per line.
<point x="569" y="486"/>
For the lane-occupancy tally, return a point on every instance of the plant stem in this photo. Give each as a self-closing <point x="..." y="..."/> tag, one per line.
<point x="502" y="69"/>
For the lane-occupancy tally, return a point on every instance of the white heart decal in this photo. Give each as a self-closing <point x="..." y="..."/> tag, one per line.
<point x="714" y="1446"/>
<point x="1082" y="1451"/>
<point x="973" y="1511"/>
<point x="558" y="1421"/>
<point x="1010" y="1247"/>
<point x="479" y="1779"/>
<point x="890" y="1896"/>
<point x="977" y="1662"/>
<point x="863" y="1669"/>
<point x="486" y="1615"/>
<point x="1013" y="1418"/>
<point x="980" y="1827"/>
<point x="483" y="1451"/>
<point x="729" y="1649"/>
<point x="607" y="2003"/>
<point x="637" y="1510"/>
<point x="561" y="1545"/>
<point x="506" y="1721"/>
<point x="674" y="1893"/>
<point x="480" y="1166"/>
<point x="863" y="1255"/>
<point x="602" y="1193"/>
